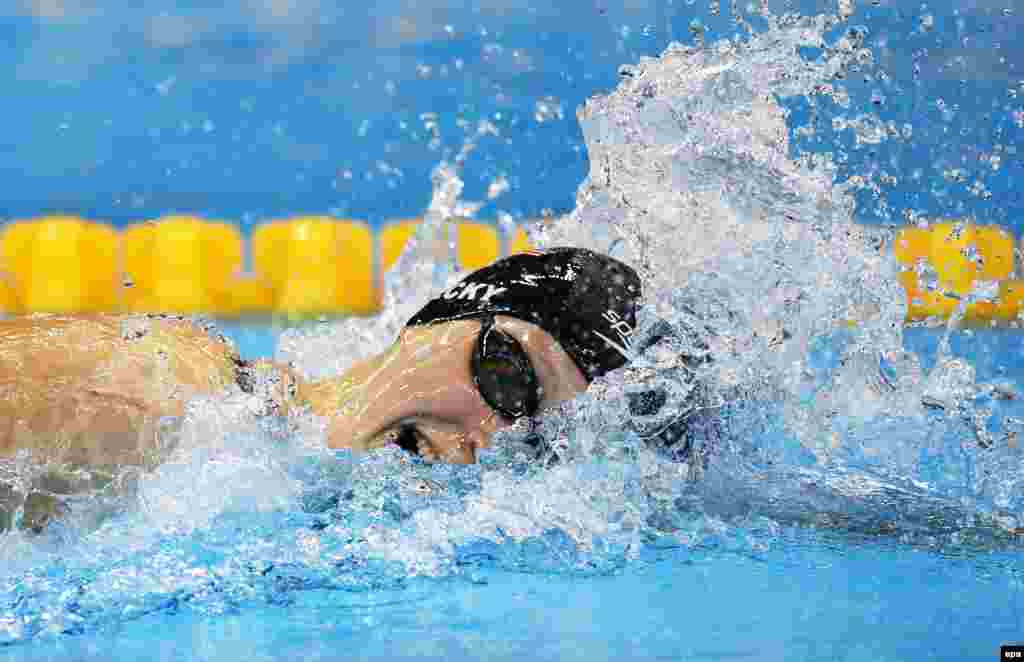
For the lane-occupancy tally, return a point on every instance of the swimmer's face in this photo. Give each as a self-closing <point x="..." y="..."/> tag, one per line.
<point x="424" y="384"/>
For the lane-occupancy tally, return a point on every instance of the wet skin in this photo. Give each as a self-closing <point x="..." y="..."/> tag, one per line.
<point x="82" y="390"/>
<point x="425" y="381"/>
<point x="89" y="392"/>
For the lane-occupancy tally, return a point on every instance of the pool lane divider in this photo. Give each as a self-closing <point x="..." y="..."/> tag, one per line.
<point x="320" y="265"/>
<point x="299" y="267"/>
<point x="944" y="264"/>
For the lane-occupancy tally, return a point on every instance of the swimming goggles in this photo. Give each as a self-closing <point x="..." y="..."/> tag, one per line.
<point x="503" y="373"/>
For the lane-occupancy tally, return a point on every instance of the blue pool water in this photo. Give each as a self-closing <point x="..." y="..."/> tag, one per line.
<point x="809" y="601"/>
<point x="864" y="486"/>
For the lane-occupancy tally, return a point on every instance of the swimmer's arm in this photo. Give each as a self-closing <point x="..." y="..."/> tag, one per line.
<point x="95" y="389"/>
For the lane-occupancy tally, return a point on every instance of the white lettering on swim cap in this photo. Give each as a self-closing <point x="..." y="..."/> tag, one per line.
<point x="493" y="291"/>
<point x="619" y="325"/>
<point x="471" y="289"/>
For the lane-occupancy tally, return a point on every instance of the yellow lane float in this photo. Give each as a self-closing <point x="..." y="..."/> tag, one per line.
<point x="947" y="262"/>
<point x="60" y="264"/>
<point x="180" y="264"/>
<point x="317" y="265"/>
<point x="320" y="265"/>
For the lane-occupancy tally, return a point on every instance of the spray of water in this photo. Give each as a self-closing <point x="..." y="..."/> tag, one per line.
<point x="769" y="391"/>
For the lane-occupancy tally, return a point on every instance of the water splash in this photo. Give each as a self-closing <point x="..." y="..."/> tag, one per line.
<point x="771" y="391"/>
<point x="427" y="265"/>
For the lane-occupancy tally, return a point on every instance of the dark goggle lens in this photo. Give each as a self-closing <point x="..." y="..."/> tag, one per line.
<point x="504" y="375"/>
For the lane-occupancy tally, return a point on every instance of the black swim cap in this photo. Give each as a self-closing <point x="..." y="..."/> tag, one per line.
<point x="585" y="300"/>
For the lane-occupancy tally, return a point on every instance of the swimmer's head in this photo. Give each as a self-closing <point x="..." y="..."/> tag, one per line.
<point x="585" y="300"/>
<point x="508" y="341"/>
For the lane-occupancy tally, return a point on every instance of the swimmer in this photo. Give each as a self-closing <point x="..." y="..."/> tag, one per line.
<point x="510" y="340"/>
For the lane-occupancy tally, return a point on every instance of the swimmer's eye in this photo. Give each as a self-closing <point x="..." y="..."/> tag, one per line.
<point x="408" y="439"/>
<point x="504" y="374"/>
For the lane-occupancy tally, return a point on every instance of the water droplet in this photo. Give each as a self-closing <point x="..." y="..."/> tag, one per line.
<point x="547" y="109"/>
<point x="954" y="175"/>
<point x="164" y="86"/>
<point x="498" y="186"/>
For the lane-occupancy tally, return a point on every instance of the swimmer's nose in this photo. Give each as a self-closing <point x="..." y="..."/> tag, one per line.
<point x="423" y="381"/>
